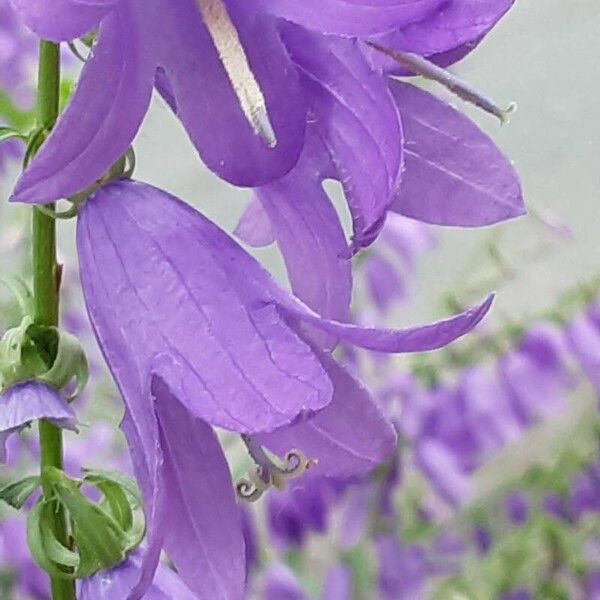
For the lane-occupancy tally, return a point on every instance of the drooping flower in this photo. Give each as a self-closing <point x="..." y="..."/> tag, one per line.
<point x="196" y="335"/>
<point x="29" y="401"/>
<point x="244" y="82"/>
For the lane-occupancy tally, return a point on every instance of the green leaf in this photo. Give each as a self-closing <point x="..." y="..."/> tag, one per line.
<point x="16" y="494"/>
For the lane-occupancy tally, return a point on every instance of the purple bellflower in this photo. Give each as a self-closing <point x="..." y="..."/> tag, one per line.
<point x="197" y="334"/>
<point x="22" y="403"/>
<point x="245" y="78"/>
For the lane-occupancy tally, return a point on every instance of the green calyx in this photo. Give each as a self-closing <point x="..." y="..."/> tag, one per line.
<point x="46" y="354"/>
<point x="101" y="534"/>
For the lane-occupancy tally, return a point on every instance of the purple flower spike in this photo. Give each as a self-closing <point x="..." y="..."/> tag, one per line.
<point x="29" y="401"/>
<point x="116" y="583"/>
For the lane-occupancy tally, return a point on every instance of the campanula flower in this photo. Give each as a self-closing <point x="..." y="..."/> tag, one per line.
<point x="197" y="334"/>
<point x="246" y="78"/>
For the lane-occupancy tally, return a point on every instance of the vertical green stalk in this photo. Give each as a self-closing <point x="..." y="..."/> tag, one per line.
<point x="46" y="283"/>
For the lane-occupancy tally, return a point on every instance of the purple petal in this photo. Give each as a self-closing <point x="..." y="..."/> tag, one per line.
<point x="103" y="116"/>
<point x="254" y="227"/>
<point x="535" y="376"/>
<point x="516" y="507"/>
<point x="454" y="175"/>
<point x="210" y="110"/>
<point x="203" y="531"/>
<point x="62" y="20"/>
<point x="117" y="582"/>
<point x="383" y="282"/>
<point x="352" y="17"/>
<point x="358" y="121"/>
<point x="488" y="410"/>
<point x="349" y="437"/>
<point x="29" y="401"/>
<point x="308" y="232"/>
<point x="338" y="585"/>
<point x="402" y="570"/>
<point x="281" y="584"/>
<point x="415" y="339"/>
<point x="584" y="342"/>
<point x="407" y="238"/>
<point x="460" y="25"/>
<point x="157" y="273"/>
<point x="444" y="472"/>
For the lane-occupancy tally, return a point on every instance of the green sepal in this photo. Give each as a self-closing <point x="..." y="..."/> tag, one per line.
<point x="70" y="362"/>
<point x="17" y="493"/>
<point x="18" y="359"/>
<point x="47" y="552"/>
<point x="46" y="354"/>
<point x="102" y="533"/>
<point x="93" y="476"/>
<point x="8" y="133"/>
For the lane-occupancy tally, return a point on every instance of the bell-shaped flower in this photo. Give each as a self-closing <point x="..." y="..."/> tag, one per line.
<point x="535" y="374"/>
<point x="245" y="83"/>
<point x="402" y="570"/>
<point x="197" y="334"/>
<point x="583" y="337"/>
<point x="28" y="401"/>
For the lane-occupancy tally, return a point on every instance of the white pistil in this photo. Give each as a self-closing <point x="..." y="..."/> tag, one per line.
<point x="235" y="62"/>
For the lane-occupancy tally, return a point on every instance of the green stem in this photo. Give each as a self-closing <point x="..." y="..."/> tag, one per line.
<point x="46" y="283"/>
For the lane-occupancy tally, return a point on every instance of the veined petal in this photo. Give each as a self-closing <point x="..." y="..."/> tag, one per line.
<point x="174" y="284"/>
<point x="308" y="232"/>
<point x="349" y="437"/>
<point x="358" y="121"/>
<point x="454" y="174"/>
<point x="352" y="17"/>
<point x="101" y="120"/>
<point x="208" y="106"/>
<point x="29" y="401"/>
<point x="413" y="339"/>
<point x="457" y="28"/>
<point x="62" y="20"/>
<point x="203" y="524"/>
